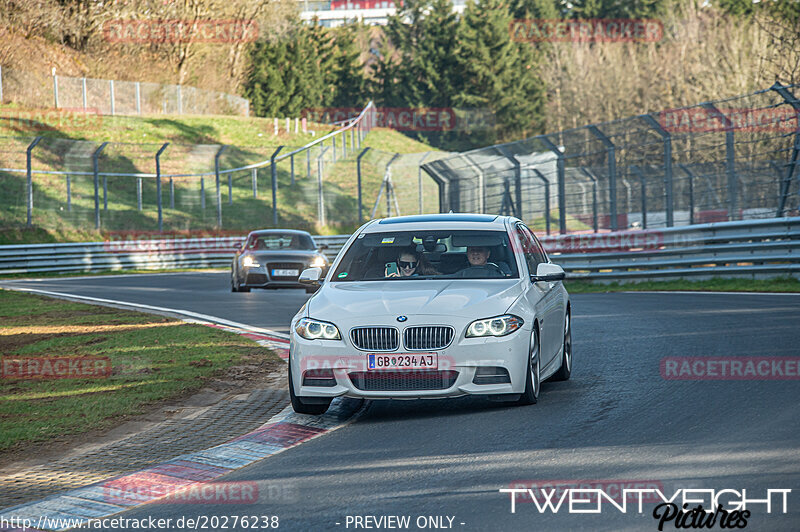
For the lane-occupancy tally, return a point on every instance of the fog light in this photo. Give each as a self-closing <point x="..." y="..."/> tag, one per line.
<point x="319" y="377"/>
<point x="491" y="375"/>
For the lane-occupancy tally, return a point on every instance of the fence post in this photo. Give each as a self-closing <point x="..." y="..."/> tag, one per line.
<point x="594" y="197"/>
<point x="111" y="89"/>
<point x="668" y="191"/>
<point x="612" y="173"/>
<point x="83" y="91"/>
<point x="481" y="183"/>
<point x="352" y="138"/>
<point x="730" y="162"/>
<point x="216" y="174"/>
<point x="69" y="194"/>
<point x="546" y="198"/>
<point x="562" y="201"/>
<point x="158" y="185"/>
<point x="180" y="101"/>
<point x="105" y="193"/>
<point x="139" y="193"/>
<point x="419" y="179"/>
<point x="30" y="179"/>
<point x="171" y="193"/>
<point x="643" y="182"/>
<point x="690" y="175"/>
<point x="274" y="169"/>
<point x="230" y="188"/>
<point x="320" y="196"/>
<point x="203" y="194"/>
<point x="344" y="145"/>
<point x="358" y="173"/>
<point x="254" y="175"/>
<point x="291" y="159"/>
<point x="786" y="182"/>
<point x="55" y="88"/>
<point x="308" y="162"/>
<point x="333" y="139"/>
<point x="95" y="165"/>
<point x="517" y="179"/>
<point x="1" y="84"/>
<point x="138" y="98"/>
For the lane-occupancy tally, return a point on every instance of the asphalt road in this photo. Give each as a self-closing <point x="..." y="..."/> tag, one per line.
<point x="616" y="420"/>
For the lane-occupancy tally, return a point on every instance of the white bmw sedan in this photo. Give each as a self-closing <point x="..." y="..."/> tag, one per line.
<point x="432" y="306"/>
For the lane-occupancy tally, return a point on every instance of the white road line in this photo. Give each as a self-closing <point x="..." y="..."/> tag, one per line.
<point x="196" y="315"/>
<point x="706" y="292"/>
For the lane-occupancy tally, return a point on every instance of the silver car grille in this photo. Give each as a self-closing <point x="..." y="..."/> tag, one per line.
<point x="375" y="338"/>
<point x="425" y="338"/>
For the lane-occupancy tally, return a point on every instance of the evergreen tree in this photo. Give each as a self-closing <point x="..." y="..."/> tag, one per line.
<point x="383" y="84"/>
<point x="536" y="9"/>
<point x="498" y="74"/>
<point x="349" y="83"/>
<point x="619" y="8"/>
<point x="424" y="32"/>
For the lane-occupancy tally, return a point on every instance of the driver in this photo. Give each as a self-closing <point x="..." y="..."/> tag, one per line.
<point x="479" y="265"/>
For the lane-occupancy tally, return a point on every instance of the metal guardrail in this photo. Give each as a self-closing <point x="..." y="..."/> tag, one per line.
<point x="756" y="248"/>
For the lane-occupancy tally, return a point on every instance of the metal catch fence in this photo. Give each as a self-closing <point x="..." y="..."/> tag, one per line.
<point x="733" y="159"/>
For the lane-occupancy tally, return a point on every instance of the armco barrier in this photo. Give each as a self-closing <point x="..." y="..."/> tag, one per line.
<point x="758" y="248"/>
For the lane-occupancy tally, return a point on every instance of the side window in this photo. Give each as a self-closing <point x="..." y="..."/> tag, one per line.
<point x="528" y="248"/>
<point x="538" y="250"/>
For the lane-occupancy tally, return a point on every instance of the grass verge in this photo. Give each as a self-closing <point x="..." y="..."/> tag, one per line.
<point x="779" y="284"/>
<point x="152" y="359"/>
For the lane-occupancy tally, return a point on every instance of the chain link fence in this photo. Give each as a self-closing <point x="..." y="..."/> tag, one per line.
<point x="110" y="97"/>
<point x="730" y="159"/>
<point x="140" y="187"/>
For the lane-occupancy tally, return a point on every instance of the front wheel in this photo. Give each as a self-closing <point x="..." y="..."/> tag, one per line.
<point x="301" y="407"/>
<point x="565" y="370"/>
<point x="532" y="380"/>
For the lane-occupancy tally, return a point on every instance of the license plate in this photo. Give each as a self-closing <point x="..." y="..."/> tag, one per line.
<point x="285" y="273"/>
<point x="402" y="361"/>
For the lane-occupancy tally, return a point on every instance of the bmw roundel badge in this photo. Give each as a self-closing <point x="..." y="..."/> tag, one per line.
<point x="401" y="319"/>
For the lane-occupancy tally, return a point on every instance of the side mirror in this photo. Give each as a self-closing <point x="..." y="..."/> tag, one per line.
<point x="548" y="272"/>
<point x="311" y="276"/>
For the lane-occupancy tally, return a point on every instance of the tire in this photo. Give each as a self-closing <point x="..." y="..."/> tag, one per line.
<point x="234" y="288"/>
<point x="533" y="380"/>
<point x="301" y="407"/>
<point x="565" y="370"/>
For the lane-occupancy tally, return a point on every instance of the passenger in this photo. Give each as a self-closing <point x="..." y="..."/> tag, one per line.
<point x="411" y="263"/>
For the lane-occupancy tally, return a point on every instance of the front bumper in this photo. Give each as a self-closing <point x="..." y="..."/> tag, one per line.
<point x="464" y="356"/>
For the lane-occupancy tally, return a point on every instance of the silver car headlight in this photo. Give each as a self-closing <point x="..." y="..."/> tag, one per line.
<point x="318" y="262"/>
<point x="317" y="330"/>
<point x="497" y="326"/>
<point x="249" y="262"/>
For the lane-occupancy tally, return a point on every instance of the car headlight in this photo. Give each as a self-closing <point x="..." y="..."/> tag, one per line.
<point x="497" y="326"/>
<point x="318" y="262"/>
<point x="315" y="330"/>
<point x="249" y="262"/>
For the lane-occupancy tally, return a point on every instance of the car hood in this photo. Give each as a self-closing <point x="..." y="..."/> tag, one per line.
<point x="452" y="297"/>
<point x="283" y="255"/>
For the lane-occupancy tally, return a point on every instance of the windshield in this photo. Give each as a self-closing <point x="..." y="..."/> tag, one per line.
<point x="420" y="255"/>
<point x="280" y="241"/>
